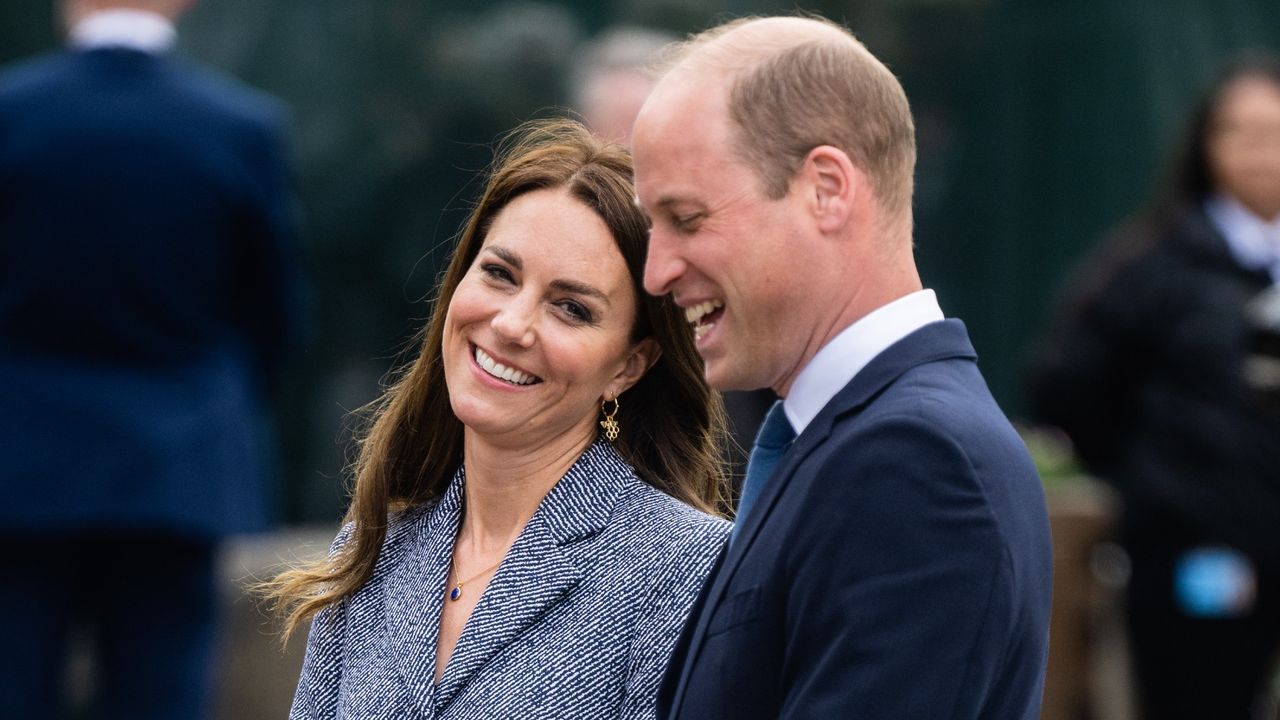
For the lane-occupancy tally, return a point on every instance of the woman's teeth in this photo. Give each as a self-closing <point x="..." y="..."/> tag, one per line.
<point x="502" y="372"/>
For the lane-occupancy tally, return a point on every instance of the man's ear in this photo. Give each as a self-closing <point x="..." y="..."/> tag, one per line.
<point x="643" y="355"/>
<point x="831" y="182"/>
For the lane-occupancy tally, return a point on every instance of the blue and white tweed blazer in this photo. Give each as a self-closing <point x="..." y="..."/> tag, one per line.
<point x="578" y="622"/>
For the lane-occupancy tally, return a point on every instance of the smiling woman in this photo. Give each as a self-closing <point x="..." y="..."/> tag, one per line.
<point x="539" y="329"/>
<point x="499" y="557"/>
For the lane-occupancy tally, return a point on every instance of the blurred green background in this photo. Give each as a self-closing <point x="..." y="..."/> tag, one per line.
<point x="1040" y="122"/>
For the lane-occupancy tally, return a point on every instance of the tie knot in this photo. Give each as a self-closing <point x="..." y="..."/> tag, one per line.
<point x="775" y="431"/>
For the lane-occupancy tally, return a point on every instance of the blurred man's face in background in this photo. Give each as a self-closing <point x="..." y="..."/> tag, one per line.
<point x="71" y="12"/>
<point x="1244" y="145"/>
<point x="611" y="102"/>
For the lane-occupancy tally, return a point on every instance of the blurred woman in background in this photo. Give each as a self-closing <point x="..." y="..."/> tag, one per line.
<point x="503" y="557"/>
<point x="1147" y="370"/>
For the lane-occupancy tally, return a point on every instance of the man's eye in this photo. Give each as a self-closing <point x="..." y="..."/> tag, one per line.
<point x="687" y="222"/>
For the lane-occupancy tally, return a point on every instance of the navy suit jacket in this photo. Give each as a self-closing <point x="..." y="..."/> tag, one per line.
<point x="578" y="622"/>
<point x="147" y="293"/>
<point x="897" y="565"/>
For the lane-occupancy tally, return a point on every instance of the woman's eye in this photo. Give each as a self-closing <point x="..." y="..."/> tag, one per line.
<point x="576" y="310"/>
<point x="496" y="272"/>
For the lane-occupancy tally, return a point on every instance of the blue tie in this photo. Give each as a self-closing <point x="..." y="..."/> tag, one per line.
<point x="772" y="442"/>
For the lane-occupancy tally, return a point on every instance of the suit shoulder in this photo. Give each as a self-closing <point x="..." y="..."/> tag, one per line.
<point x="659" y="530"/>
<point x="402" y="529"/>
<point x="665" y="549"/>
<point x="937" y="438"/>
<point x="341" y="539"/>
<point x="947" y="398"/>
<point x="659" y="515"/>
<point x="218" y="89"/>
<point x="924" y="417"/>
<point x="30" y="75"/>
<point x="404" y="525"/>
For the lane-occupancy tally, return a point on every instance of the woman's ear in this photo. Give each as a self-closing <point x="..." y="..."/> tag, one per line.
<point x="643" y="355"/>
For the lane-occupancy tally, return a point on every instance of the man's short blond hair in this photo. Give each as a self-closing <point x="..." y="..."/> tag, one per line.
<point x="788" y="97"/>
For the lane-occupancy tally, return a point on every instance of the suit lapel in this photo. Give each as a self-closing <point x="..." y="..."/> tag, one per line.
<point x="535" y="575"/>
<point x="674" y="677"/>
<point x="414" y="593"/>
<point x="935" y="341"/>
<point x="540" y="569"/>
<point x="733" y="554"/>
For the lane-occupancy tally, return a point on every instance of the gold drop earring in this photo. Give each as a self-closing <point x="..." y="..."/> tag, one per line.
<point x="609" y="423"/>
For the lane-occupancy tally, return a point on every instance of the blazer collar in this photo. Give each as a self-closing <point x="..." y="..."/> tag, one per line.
<point x="946" y="340"/>
<point x="537" y="573"/>
<point x="1196" y="233"/>
<point x="582" y="502"/>
<point x="138" y="30"/>
<point x="936" y="341"/>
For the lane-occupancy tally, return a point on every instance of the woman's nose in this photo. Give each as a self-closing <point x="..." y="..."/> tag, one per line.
<point x="514" y="322"/>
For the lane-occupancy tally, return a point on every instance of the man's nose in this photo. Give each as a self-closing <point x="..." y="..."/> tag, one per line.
<point x="663" y="265"/>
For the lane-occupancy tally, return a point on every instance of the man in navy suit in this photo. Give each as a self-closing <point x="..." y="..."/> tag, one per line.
<point x="891" y="555"/>
<point x="147" y="296"/>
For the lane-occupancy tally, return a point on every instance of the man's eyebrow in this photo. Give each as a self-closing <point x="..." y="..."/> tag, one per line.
<point x="663" y="202"/>
<point x="506" y="256"/>
<point x="678" y="204"/>
<point x="579" y="288"/>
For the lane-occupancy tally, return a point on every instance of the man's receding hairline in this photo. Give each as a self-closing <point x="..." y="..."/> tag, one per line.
<point x="752" y="43"/>
<point x="738" y="52"/>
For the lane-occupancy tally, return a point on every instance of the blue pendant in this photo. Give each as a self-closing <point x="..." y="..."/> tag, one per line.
<point x="455" y="593"/>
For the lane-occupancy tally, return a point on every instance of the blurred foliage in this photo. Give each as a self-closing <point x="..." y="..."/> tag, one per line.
<point x="1053" y="455"/>
<point x="1040" y="122"/>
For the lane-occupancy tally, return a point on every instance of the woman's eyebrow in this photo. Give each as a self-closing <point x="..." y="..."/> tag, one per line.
<point x="570" y="286"/>
<point x="506" y="256"/>
<point x="579" y="288"/>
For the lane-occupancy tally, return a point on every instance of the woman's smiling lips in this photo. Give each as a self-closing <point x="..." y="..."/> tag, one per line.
<point x="505" y="374"/>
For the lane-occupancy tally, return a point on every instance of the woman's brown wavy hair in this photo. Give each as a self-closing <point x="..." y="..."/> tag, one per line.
<point x="672" y="423"/>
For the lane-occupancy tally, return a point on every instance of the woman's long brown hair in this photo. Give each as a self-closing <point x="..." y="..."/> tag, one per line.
<point x="672" y="423"/>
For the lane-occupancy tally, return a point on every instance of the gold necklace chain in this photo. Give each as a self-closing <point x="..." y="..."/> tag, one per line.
<point x="456" y="591"/>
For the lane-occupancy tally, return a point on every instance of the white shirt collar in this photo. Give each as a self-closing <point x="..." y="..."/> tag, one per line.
<point x="125" y="28"/>
<point x="1253" y="242"/>
<point x="848" y="352"/>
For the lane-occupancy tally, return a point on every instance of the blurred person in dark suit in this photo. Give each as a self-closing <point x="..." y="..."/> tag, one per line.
<point x="1146" y="369"/>
<point x="147" y="296"/>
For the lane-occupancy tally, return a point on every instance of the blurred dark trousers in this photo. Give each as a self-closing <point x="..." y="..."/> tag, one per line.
<point x="1192" y="667"/>
<point x="147" y="603"/>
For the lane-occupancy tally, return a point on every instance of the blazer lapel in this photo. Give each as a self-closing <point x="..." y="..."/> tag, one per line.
<point x="414" y="594"/>
<point x="673" y="678"/>
<point x="540" y="569"/>
<point x="732" y="556"/>
<point x="933" y="342"/>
